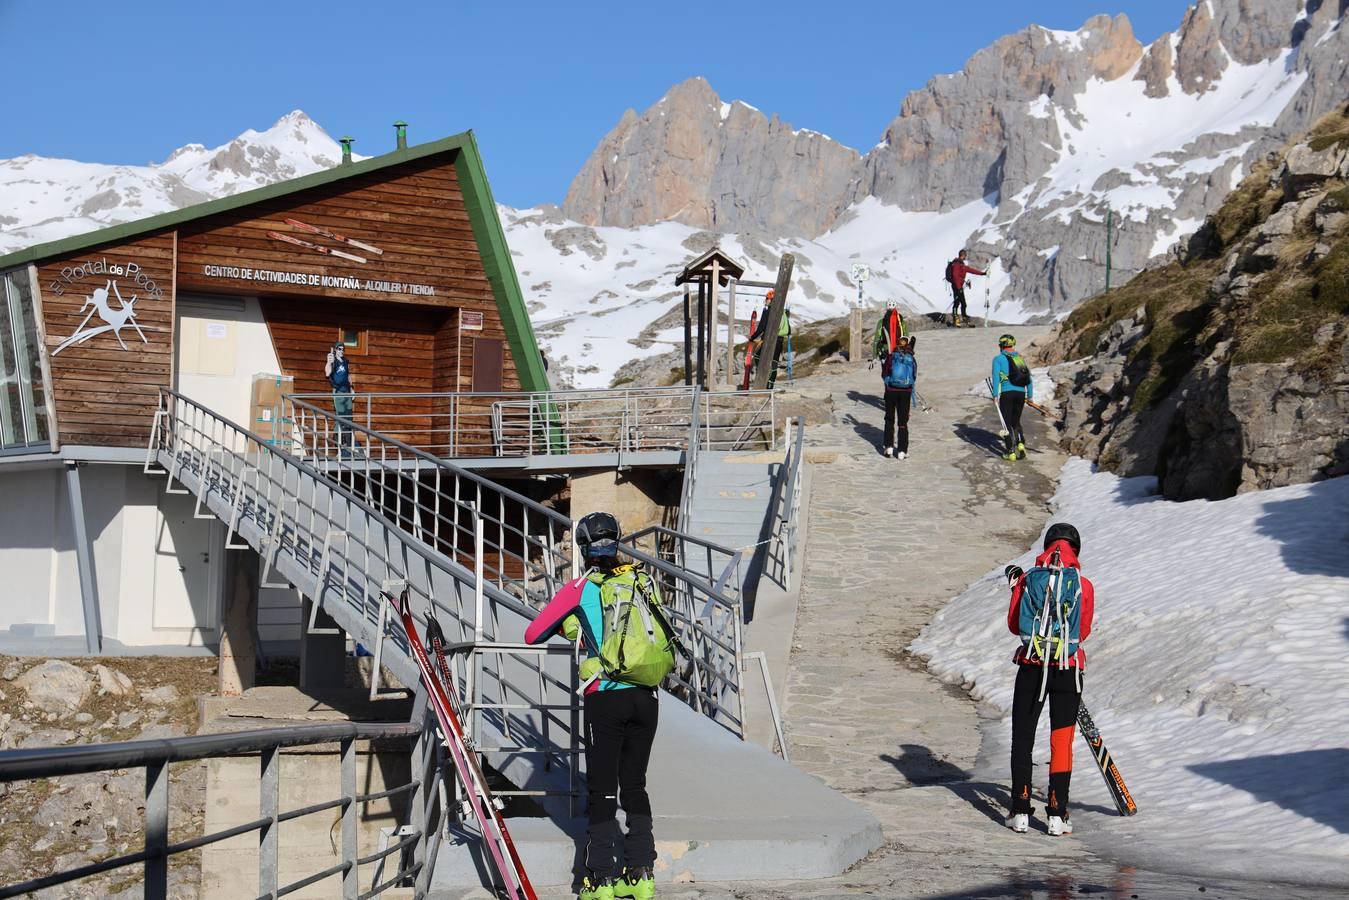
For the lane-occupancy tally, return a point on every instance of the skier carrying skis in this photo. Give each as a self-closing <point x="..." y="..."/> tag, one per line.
<point x="889" y="330"/>
<point x="760" y="331"/>
<point x="957" y="270"/>
<point x="1051" y="609"/>
<point x="899" y="374"/>
<point x="620" y="715"/>
<point x="1012" y="386"/>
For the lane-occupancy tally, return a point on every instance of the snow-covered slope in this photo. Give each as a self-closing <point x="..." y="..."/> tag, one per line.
<point x="47" y="199"/>
<point x="1218" y="671"/>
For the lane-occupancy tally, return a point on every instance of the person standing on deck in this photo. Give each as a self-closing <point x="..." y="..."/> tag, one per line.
<point x="338" y="372"/>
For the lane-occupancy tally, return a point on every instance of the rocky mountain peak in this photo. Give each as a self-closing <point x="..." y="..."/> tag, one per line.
<point x="696" y="159"/>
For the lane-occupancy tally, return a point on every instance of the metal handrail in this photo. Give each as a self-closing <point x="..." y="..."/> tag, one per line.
<point x="546" y="423"/>
<point x="154" y="755"/>
<point x="344" y="550"/>
<point x="523" y="543"/>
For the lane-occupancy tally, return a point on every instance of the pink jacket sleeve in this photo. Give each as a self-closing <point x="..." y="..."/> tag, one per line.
<point x="565" y="602"/>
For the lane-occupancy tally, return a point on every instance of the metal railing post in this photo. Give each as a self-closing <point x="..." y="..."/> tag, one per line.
<point x="269" y="803"/>
<point x="351" y="878"/>
<point x="156" y="830"/>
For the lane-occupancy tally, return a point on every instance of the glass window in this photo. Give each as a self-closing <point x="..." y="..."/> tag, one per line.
<point x="23" y="404"/>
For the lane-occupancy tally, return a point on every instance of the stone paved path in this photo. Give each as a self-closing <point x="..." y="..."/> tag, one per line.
<point x="889" y="542"/>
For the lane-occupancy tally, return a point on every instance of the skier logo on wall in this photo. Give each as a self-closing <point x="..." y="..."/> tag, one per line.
<point x="116" y="318"/>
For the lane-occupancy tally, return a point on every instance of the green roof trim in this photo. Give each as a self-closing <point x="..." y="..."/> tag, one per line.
<point x="496" y="259"/>
<point x="482" y="213"/>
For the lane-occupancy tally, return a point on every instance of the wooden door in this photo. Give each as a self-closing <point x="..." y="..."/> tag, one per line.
<point x="489" y="361"/>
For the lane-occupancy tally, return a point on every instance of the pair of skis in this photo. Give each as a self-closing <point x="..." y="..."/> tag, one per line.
<point x="1105" y="763"/>
<point x="444" y="700"/>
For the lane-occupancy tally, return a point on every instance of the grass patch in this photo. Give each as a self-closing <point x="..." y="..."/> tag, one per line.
<point x="1281" y="316"/>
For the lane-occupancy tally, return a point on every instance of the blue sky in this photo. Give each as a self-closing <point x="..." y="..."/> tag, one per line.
<point x="540" y="83"/>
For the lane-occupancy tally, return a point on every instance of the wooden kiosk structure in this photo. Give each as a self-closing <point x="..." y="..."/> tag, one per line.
<point x="710" y="272"/>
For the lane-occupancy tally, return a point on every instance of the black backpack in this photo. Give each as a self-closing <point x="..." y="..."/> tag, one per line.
<point x="950" y="271"/>
<point x="1018" y="373"/>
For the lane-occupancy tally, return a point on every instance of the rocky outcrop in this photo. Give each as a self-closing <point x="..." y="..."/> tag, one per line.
<point x="694" y="159"/>
<point x="1228" y="369"/>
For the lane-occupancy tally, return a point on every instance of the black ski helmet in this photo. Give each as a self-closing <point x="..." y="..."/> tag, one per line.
<point x="1062" y="531"/>
<point x="597" y="534"/>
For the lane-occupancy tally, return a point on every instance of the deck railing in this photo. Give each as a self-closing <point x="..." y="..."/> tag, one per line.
<point x="553" y="423"/>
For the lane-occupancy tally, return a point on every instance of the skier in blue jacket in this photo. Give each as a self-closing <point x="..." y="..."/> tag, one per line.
<point x="1012" y="387"/>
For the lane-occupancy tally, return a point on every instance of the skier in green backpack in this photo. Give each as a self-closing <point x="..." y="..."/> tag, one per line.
<point x="1012" y="387"/>
<point x="615" y="609"/>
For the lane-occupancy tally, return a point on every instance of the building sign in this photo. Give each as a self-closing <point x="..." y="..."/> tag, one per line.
<point x="469" y="320"/>
<point x="107" y="302"/>
<point x="311" y="279"/>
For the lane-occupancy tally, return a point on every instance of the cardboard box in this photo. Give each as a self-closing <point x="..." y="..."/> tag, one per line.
<point x="267" y="416"/>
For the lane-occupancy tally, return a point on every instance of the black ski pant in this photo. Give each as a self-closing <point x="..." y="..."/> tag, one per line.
<point x="898" y="403"/>
<point x="1011" y="404"/>
<point x="1064" y="696"/>
<point x="958" y="310"/>
<point x="620" y="728"/>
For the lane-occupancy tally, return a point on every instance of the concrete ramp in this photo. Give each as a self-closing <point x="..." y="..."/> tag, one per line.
<point x="725" y="810"/>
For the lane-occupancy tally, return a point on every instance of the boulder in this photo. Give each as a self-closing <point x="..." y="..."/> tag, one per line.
<point x="165" y="693"/>
<point x="56" y="687"/>
<point x="112" y="682"/>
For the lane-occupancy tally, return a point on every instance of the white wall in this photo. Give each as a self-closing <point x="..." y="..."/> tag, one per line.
<point x="222" y="342"/>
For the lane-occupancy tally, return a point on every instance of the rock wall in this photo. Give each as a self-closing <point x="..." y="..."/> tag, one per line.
<point x="1227" y="370"/>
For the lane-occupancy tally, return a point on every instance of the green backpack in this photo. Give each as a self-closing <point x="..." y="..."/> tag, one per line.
<point x="639" y="644"/>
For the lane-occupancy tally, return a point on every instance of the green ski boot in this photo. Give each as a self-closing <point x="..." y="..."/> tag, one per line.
<point x="602" y="889"/>
<point x="639" y="884"/>
<point x="1010" y="456"/>
<point x="1020" y="450"/>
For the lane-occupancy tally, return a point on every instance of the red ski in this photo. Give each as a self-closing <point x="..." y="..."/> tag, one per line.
<point x="340" y="238"/>
<point x="749" y="351"/>
<point x="505" y="858"/>
<point x="327" y="251"/>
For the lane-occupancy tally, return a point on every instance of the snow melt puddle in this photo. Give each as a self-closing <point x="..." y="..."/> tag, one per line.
<point x="1218" y="672"/>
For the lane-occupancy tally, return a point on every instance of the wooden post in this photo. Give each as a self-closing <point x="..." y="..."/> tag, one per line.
<point x="714" y="285"/>
<point x="702" y="326"/>
<point x="770" y="334"/>
<point x="855" y="351"/>
<point x="688" y="341"/>
<point x="730" y="334"/>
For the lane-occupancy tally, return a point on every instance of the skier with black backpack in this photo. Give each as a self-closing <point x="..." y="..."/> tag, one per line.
<point x="957" y="275"/>
<point x="888" y="331"/>
<point x="1051" y="611"/>
<point x="1012" y="386"/>
<point x="615" y="610"/>
<point x="899" y="374"/>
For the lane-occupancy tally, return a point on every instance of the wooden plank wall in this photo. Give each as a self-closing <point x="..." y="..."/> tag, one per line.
<point x="105" y="395"/>
<point x="413" y="212"/>
<point x="400" y="353"/>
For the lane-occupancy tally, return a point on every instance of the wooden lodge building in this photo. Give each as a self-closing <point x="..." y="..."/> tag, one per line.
<point x="401" y="258"/>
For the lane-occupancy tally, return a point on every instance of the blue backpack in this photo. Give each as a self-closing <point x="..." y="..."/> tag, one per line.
<point x="1051" y="613"/>
<point x="900" y="370"/>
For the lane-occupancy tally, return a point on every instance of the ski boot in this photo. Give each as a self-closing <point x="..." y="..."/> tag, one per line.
<point x="597" y="889"/>
<point x="1019" y="822"/>
<point x="1020" y="450"/>
<point x="1059" y="826"/>
<point x="639" y="883"/>
<point x="1010" y="455"/>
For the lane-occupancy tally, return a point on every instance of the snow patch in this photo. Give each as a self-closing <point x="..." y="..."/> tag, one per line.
<point x="1212" y="619"/>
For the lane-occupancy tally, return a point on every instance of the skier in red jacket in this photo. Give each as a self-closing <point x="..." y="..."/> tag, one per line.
<point x="1062" y="683"/>
<point x="956" y="272"/>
